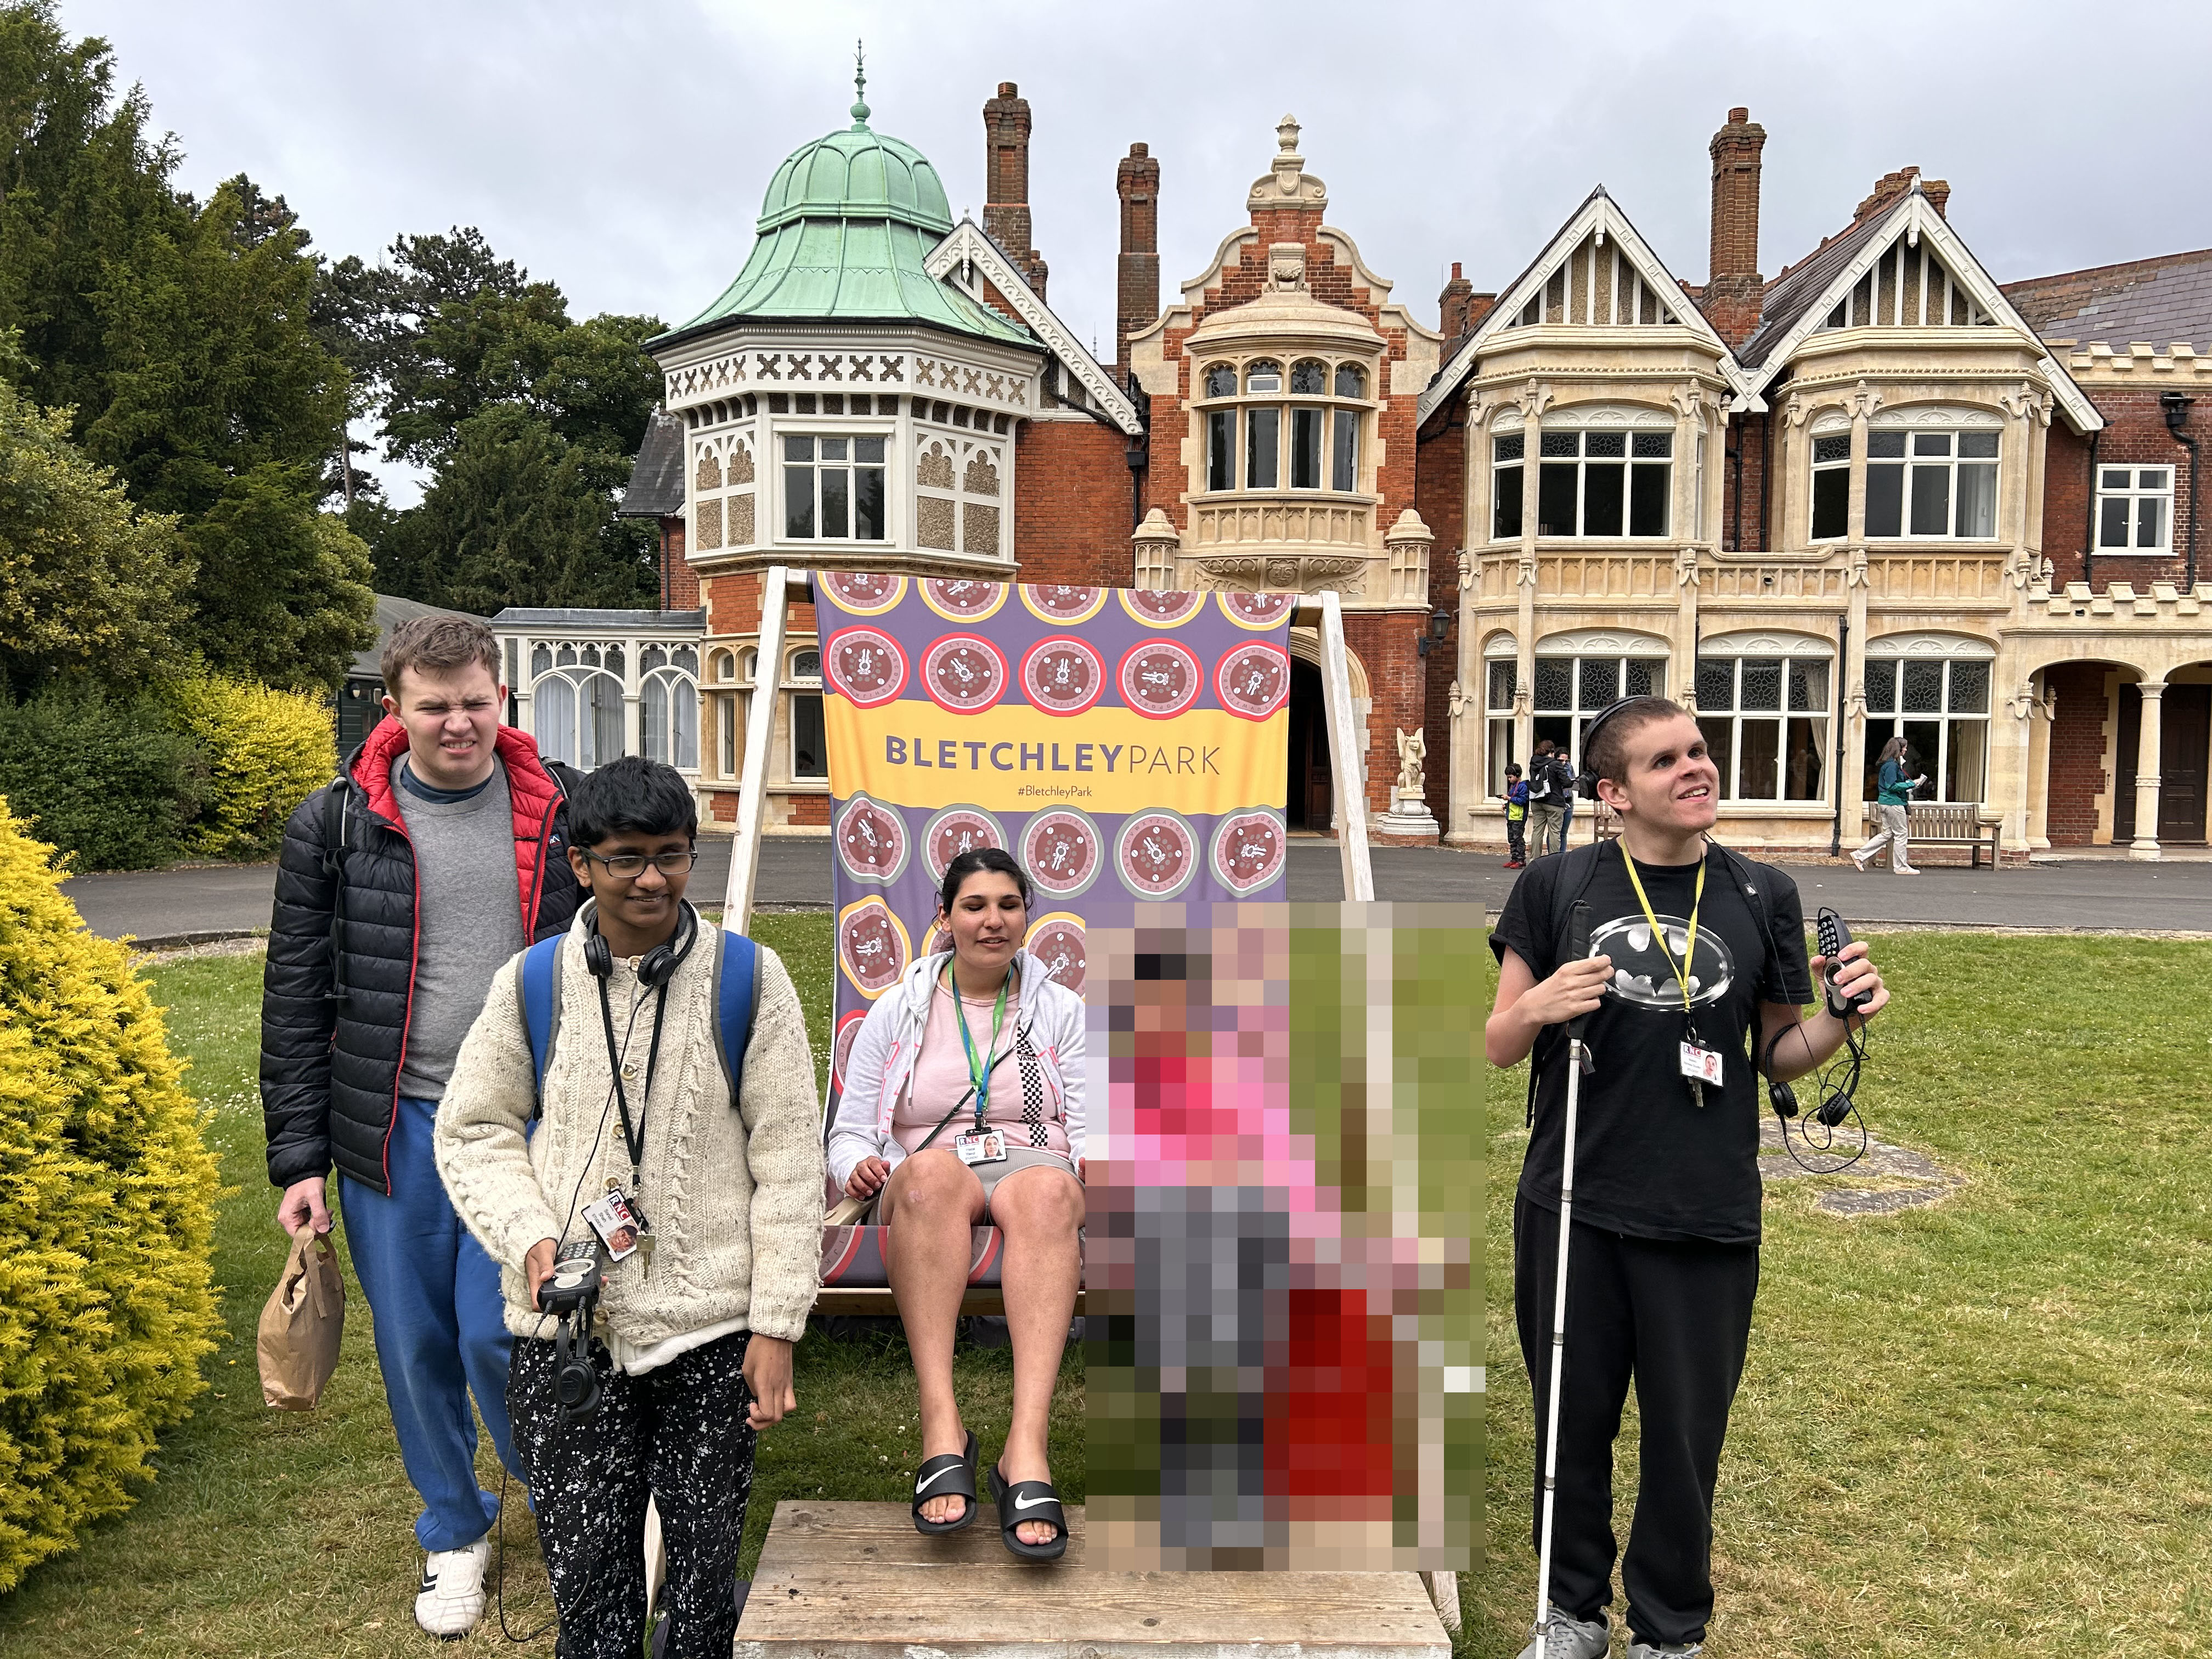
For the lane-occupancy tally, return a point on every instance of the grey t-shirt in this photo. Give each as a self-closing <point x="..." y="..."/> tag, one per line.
<point x="468" y="919"/>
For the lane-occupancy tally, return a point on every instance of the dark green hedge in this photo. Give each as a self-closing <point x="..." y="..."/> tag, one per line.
<point x="109" y="780"/>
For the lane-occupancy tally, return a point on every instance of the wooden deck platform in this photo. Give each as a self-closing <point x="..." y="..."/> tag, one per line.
<point x="855" y="1580"/>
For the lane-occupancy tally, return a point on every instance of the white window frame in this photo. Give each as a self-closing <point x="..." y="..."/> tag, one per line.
<point x="1913" y="464"/>
<point x="1885" y="681"/>
<point x="2134" y="493"/>
<point x="1789" y="656"/>
<point x="814" y="465"/>
<point x="1225" y="419"/>
<point x="1517" y="465"/>
<point x="1820" y="469"/>
<point x="1581" y="461"/>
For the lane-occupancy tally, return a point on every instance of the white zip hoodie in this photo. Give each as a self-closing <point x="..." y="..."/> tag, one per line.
<point x="889" y="1040"/>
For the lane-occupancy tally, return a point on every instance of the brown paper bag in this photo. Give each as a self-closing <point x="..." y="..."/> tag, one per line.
<point x="297" y="1340"/>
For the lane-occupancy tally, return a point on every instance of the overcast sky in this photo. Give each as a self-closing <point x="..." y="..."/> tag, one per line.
<point x="621" y="149"/>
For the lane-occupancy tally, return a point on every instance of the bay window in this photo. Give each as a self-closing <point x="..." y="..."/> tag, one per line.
<point x="1940" y="705"/>
<point x="1596" y="484"/>
<point x="1929" y="484"/>
<point x="832" y="489"/>
<point x="1765" y="724"/>
<point x="1309" y="441"/>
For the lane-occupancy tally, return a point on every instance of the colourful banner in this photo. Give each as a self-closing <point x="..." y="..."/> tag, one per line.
<point x="1122" y="746"/>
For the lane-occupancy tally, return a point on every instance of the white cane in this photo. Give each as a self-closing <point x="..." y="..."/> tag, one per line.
<point x="1579" y="937"/>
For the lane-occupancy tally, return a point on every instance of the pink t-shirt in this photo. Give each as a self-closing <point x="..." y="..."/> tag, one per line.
<point x="941" y="1077"/>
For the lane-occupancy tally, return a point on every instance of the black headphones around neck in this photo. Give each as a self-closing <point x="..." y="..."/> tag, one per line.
<point x="657" y="966"/>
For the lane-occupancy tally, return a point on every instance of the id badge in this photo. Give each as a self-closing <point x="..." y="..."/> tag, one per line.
<point x="989" y="1147"/>
<point x="1701" y="1065"/>
<point x="616" y="1224"/>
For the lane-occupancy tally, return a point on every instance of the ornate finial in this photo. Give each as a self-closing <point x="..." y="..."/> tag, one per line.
<point x="859" y="85"/>
<point x="1286" y="134"/>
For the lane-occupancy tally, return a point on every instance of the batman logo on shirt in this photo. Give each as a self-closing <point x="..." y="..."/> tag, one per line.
<point x="1643" y="974"/>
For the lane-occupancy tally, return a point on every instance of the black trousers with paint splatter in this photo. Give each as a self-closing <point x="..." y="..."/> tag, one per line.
<point x="678" y="1433"/>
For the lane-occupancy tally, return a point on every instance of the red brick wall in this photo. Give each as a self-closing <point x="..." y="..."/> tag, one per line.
<point x="1440" y="497"/>
<point x="1397" y="681"/>
<point x="733" y="604"/>
<point x="2135" y="434"/>
<point x="1749" y="434"/>
<point x="810" y="809"/>
<point x="680" y="582"/>
<point x="1073" y="503"/>
<point x="2077" y="752"/>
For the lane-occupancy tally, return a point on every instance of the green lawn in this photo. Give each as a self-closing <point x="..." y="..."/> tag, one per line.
<point x="1982" y="1427"/>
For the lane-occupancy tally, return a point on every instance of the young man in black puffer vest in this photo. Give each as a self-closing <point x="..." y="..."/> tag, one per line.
<point x="403" y="885"/>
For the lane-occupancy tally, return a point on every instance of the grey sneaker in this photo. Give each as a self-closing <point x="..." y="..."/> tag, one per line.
<point x="1573" y="1638"/>
<point x="1665" y="1650"/>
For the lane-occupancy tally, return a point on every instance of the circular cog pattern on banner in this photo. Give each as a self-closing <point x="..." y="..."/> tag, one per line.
<point x="865" y="665"/>
<point x="1063" y="674"/>
<point x="955" y="831"/>
<point x="1253" y="680"/>
<point x="964" y="673"/>
<point x="1063" y="606"/>
<point x="1058" y="941"/>
<point x="1257" y="610"/>
<point x="873" y="844"/>
<point x="872" y="947"/>
<point x="959" y="600"/>
<point x="840" y="1048"/>
<point x="865" y="593"/>
<point x="1160" y="609"/>
<point x="1157" y="854"/>
<point x="1159" y="679"/>
<point x="1062" y="851"/>
<point x="1249" y="849"/>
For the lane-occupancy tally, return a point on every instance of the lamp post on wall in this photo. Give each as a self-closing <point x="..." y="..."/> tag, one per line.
<point x="1440" y="620"/>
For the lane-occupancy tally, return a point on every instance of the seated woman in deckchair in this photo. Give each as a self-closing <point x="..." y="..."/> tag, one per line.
<point x="964" y="1107"/>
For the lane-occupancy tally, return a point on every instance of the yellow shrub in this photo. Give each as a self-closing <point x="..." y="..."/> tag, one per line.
<point x="107" y="1216"/>
<point x="267" y="752"/>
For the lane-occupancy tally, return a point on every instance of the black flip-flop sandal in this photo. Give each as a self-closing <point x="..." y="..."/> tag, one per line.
<point x="949" y="1475"/>
<point x="1029" y="1500"/>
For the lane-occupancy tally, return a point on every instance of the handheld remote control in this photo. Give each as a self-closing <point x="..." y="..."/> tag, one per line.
<point x="1831" y="936"/>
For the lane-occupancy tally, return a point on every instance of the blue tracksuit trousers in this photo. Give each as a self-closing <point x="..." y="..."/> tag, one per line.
<point x="440" y="1334"/>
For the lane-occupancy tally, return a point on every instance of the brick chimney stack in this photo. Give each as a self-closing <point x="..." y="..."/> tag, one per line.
<point x="1733" y="287"/>
<point x="1455" y="302"/>
<point x="1137" y="280"/>
<point x="1891" y="185"/>
<point x="1006" y="181"/>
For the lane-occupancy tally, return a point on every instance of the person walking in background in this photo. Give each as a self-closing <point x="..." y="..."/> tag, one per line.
<point x="1547" y="801"/>
<point x="1892" y="803"/>
<point x="1517" y="814"/>
<point x="402" y="886"/>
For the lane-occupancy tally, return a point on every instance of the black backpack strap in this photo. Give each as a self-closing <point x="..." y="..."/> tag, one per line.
<point x="1578" y="869"/>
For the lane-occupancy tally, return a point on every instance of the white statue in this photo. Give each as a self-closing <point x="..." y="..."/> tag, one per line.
<point x="1412" y="751"/>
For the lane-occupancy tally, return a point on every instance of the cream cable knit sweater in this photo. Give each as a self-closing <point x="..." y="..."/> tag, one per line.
<point x="734" y="1197"/>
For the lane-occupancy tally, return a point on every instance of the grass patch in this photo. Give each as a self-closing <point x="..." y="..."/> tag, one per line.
<point x="1982" y="1426"/>
<point x="275" y="1534"/>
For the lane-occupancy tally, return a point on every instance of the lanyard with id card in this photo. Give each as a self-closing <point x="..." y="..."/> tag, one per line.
<point x="1699" y="1064"/>
<point x="980" y="1146"/>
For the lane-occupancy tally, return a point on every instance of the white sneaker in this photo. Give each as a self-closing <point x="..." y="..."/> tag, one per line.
<point x="452" y="1597"/>
<point x="1904" y="870"/>
<point x="1573" y="1638"/>
<point x="1859" y="863"/>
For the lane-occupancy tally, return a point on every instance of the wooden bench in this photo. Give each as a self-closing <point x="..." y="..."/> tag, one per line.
<point x="1950" y="823"/>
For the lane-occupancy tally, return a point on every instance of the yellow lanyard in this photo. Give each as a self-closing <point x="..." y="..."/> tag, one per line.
<point x="1689" y="950"/>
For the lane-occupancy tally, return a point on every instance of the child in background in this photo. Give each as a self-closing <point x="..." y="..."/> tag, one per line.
<point x="1517" y="814"/>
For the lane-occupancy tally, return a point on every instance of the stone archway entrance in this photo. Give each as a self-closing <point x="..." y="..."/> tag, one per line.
<point x="2184" y="736"/>
<point x="1312" y="785"/>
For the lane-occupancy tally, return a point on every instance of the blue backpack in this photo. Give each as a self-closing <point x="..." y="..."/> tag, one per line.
<point x="736" y="993"/>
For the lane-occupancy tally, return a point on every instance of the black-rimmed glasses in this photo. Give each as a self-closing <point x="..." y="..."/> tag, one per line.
<point x="629" y="866"/>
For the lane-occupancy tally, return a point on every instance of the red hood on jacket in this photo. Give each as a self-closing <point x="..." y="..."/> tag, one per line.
<point x="535" y="796"/>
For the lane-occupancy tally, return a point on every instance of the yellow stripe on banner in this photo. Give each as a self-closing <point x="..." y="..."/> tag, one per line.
<point x="1014" y="759"/>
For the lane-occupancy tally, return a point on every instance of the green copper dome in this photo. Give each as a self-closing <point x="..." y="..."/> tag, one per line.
<point x="844" y="231"/>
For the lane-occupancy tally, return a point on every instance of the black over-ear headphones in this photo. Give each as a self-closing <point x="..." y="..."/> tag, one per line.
<point x="659" y="965"/>
<point x="1586" y="779"/>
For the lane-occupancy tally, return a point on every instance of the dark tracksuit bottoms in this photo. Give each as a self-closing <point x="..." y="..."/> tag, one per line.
<point x="1675" y="1317"/>
<point x="678" y="1434"/>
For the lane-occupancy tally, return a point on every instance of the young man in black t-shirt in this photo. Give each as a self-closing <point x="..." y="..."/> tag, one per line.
<point x="1664" y="1254"/>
